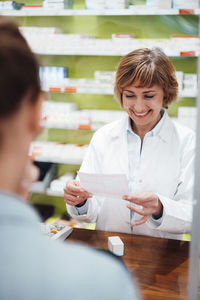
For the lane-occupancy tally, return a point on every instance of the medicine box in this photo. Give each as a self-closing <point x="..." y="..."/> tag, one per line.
<point x="115" y="245"/>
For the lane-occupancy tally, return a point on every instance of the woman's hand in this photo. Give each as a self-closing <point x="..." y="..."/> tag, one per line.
<point x="75" y="194"/>
<point x="149" y="204"/>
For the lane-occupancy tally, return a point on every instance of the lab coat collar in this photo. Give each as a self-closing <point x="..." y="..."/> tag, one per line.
<point x="155" y="131"/>
<point x="120" y="127"/>
<point x="164" y="131"/>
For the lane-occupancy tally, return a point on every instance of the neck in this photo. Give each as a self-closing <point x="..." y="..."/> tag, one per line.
<point x="10" y="173"/>
<point x="13" y="158"/>
<point x="142" y="130"/>
<point x="16" y="134"/>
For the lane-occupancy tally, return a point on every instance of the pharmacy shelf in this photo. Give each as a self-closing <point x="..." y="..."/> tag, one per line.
<point x="49" y="192"/>
<point x="68" y="127"/>
<point x="52" y="125"/>
<point x="57" y="152"/>
<point x="108" y="53"/>
<point x="104" y="91"/>
<point x="67" y="161"/>
<point x="80" y="90"/>
<point x="30" y="12"/>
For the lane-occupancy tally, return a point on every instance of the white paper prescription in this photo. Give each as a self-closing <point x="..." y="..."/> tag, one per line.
<point x="114" y="185"/>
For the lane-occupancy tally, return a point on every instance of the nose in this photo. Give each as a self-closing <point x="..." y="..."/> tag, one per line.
<point x="139" y="106"/>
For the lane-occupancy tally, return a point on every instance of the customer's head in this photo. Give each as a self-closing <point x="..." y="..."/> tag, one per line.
<point x="146" y="68"/>
<point x="19" y="77"/>
<point x="20" y="105"/>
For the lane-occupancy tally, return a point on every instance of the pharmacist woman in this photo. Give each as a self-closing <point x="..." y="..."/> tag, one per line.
<point x="156" y="154"/>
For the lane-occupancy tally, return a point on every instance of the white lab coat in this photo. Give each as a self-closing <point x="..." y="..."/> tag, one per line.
<point x="166" y="169"/>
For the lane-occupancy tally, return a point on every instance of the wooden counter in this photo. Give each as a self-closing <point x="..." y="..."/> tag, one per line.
<point x="158" y="266"/>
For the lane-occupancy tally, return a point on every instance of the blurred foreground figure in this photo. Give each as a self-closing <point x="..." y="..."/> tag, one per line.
<point x="32" y="266"/>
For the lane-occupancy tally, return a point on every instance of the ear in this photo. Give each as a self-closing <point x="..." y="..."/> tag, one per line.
<point x="35" y="114"/>
<point x="164" y="101"/>
<point x="121" y="101"/>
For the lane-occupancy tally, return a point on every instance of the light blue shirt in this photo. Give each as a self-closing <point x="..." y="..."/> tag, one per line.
<point x="34" y="267"/>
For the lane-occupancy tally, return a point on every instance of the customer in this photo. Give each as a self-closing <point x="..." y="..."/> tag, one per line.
<point x="154" y="152"/>
<point x="32" y="266"/>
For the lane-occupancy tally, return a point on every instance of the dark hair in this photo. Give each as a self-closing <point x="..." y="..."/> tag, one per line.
<point x="147" y="67"/>
<point x="18" y="69"/>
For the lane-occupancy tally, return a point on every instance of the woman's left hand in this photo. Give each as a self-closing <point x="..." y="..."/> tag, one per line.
<point x="149" y="205"/>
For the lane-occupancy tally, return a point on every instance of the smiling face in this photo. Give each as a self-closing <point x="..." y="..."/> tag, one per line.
<point x="143" y="105"/>
<point x="145" y="82"/>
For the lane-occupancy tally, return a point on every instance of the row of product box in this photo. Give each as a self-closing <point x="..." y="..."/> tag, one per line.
<point x="65" y="115"/>
<point x="104" y="4"/>
<point x="51" y="41"/>
<point x="172" y="4"/>
<point x="55" y="78"/>
<point x="122" y="4"/>
<point x="57" y="152"/>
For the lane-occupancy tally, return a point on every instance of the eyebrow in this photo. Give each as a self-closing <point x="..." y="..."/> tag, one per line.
<point x="145" y="92"/>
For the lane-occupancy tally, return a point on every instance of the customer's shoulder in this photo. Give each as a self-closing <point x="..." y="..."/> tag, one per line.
<point x="96" y="271"/>
<point x="79" y="257"/>
<point x="88" y="257"/>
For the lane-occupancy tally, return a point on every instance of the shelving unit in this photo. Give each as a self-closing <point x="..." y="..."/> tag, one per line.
<point x="120" y="52"/>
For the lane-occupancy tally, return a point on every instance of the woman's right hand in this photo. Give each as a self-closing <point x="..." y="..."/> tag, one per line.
<point x="75" y="194"/>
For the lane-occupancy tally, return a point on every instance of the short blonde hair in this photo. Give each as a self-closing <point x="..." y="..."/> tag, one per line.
<point x="146" y="68"/>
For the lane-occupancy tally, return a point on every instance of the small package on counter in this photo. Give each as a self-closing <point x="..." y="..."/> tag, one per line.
<point x="55" y="231"/>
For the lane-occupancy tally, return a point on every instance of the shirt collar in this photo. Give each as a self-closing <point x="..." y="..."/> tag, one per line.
<point x="155" y="131"/>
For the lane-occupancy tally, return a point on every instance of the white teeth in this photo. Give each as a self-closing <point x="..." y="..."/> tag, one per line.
<point x="141" y="114"/>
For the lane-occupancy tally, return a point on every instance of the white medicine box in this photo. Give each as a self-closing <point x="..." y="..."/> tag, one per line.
<point x="115" y="245"/>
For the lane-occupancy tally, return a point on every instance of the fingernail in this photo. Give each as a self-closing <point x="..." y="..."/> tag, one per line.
<point x="90" y="195"/>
